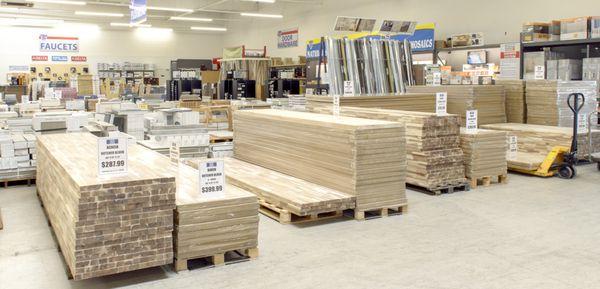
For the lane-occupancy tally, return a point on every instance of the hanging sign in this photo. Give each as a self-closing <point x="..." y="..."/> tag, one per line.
<point x="540" y="72"/>
<point x="112" y="156"/>
<point x="79" y="58"/>
<point x="138" y="11"/>
<point x="471" y="124"/>
<point x="39" y="58"/>
<point x="287" y="38"/>
<point x="441" y="100"/>
<point x="212" y="178"/>
<point x="398" y="27"/>
<point x="336" y="105"/>
<point x="58" y="43"/>
<point x="354" y="24"/>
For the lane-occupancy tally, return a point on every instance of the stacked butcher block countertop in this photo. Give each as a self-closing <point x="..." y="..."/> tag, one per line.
<point x="485" y="155"/>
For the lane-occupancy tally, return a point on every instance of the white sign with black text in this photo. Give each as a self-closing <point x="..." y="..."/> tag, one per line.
<point x="112" y="156"/>
<point x="437" y="78"/>
<point x="336" y="105"/>
<point x="441" y="103"/>
<point x="348" y="88"/>
<point x="582" y="123"/>
<point x="540" y="72"/>
<point x="513" y="147"/>
<point x="212" y="178"/>
<point x="471" y="125"/>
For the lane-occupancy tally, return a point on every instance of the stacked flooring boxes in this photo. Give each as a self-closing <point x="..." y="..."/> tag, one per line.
<point x="424" y="102"/>
<point x="18" y="156"/>
<point x="363" y="158"/>
<point x="485" y="155"/>
<point x="516" y="107"/>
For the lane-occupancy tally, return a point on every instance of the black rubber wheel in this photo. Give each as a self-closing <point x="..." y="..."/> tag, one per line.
<point x="598" y="164"/>
<point x="566" y="172"/>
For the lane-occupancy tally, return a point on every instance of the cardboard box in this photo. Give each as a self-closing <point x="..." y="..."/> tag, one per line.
<point x="569" y="69"/>
<point x="595" y="27"/>
<point x="574" y="28"/>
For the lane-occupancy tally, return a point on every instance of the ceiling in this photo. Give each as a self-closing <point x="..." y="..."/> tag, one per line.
<point x="222" y="12"/>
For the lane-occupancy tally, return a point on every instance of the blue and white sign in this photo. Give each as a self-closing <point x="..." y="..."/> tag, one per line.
<point x="138" y="10"/>
<point x="58" y="43"/>
<point x="60" y="58"/>
<point x="287" y="38"/>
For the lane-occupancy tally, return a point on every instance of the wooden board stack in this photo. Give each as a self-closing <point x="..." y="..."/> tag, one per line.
<point x="547" y="101"/>
<point x="434" y="157"/>
<point x="423" y="102"/>
<point x="285" y="198"/>
<point x="105" y="225"/>
<point x="516" y="108"/>
<point x="488" y="100"/>
<point x="210" y="227"/>
<point x="363" y="158"/>
<point x="536" y="141"/>
<point x="485" y="155"/>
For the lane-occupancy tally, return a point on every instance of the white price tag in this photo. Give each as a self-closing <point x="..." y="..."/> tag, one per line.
<point x="582" y="123"/>
<point x="212" y="178"/>
<point x="336" y="105"/>
<point x="437" y="78"/>
<point x="471" y="121"/>
<point x="348" y="88"/>
<point x="513" y="147"/>
<point x="441" y="103"/>
<point x="112" y="156"/>
<point x="540" y="72"/>
<point x="310" y="91"/>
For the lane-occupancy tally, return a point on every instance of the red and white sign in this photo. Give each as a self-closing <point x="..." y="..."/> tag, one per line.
<point x="287" y="38"/>
<point x="510" y="61"/>
<point x="78" y="58"/>
<point x="39" y="58"/>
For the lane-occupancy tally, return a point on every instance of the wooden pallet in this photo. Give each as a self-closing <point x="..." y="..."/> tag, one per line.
<point x="377" y="213"/>
<point x="487" y="181"/>
<point x="444" y="189"/>
<point x="287" y="217"/>
<point x="16" y="182"/>
<point x="229" y="257"/>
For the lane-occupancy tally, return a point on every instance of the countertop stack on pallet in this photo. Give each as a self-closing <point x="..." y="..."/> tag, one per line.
<point x="435" y="160"/>
<point x="359" y="157"/>
<point x="516" y="107"/>
<point x="488" y="100"/>
<point x="536" y="141"/>
<point x="212" y="226"/>
<point x="105" y="225"/>
<point x="485" y="156"/>
<point x="423" y="102"/>
<point x="547" y="101"/>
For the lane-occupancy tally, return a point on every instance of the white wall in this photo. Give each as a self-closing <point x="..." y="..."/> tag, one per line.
<point x="19" y="44"/>
<point x="500" y="21"/>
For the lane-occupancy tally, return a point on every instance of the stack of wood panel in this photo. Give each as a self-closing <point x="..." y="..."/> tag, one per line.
<point x="536" y="141"/>
<point x="516" y="108"/>
<point x="547" y="101"/>
<point x="211" y="226"/>
<point x="488" y="100"/>
<point x="423" y="102"/>
<point x="360" y="157"/>
<point x="485" y="154"/>
<point x="285" y="198"/>
<point x="105" y="225"/>
<point x="434" y="157"/>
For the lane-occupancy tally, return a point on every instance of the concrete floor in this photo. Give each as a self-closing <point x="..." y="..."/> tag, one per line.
<point x="531" y="233"/>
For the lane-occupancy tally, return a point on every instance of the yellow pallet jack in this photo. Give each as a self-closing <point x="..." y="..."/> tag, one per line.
<point x="550" y="166"/>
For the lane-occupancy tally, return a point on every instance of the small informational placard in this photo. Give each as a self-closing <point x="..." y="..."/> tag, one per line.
<point x="398" y="27"/>
<point x="309" y="91"/>
<point x="441" y="103"/>
<point x="540" y="72"/>
<point x="513" y="147"/>
<point x="212" y="178"/>
<point x="582" y="123"/>
<point x="336" y="105"/>
<point x="437" y="78"/>
<point x="348" y="88"/>
<point x="112" y="156"/>
<point x="287" y="38"/>
<point x="471" y="125"/>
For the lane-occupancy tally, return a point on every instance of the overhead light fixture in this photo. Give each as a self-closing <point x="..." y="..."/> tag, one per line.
<point x="9" y="9"/>
<point x="190" y="19"/>
<point x="261" y="1"/>
<point x="222" y="29"/>
<point x="116" y="24"/>
<point x="183" y="10"/>
<point x="64" y="2"/>
<point x="100" y="14"/>
<point x="36" y="22"/>
<point x="261" y="15"/>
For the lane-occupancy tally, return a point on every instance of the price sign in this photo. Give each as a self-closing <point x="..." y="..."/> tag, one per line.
<point x="212" y="178"/>
<point x="310" y="91"/>
<point x="336" y="105"/>
<point x="582" y="123"/>
<point x="540" y="72"/>
<point x="513" y="146"/>
<point x="348" y="88"/>
<point x="112" y="156"/>
<point x="471" y="121"/>
<point x="437" y="78"/>
<point x="441" y="103"/>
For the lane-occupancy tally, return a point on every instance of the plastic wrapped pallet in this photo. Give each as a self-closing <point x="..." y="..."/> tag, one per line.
<point x="488" y="100"/>
<point x="423" y="102"/>
<point x="547" y="101"/>
<point x="106" y="225"/>
<point x="516" y="109"/>
<point x="485" y="153"/>
<point x="360" y="157"/>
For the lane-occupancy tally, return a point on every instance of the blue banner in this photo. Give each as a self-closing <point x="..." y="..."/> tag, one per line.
<point x="138" y="10"/>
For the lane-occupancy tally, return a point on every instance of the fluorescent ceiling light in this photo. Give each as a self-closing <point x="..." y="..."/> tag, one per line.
<point x="79" y="3"/>
<point x="144" y="29"/>
<point x="35" y="22"/>
<point x="101" y="14"/>
<point x="184" y="10"/>
<point x="116" y="24"/>
<point x="191" y="19"/>
<point x="9" y="9"/>
<point x="261" y="1"/>
<point x="261" y="15"/>
<point x="208" y="28"/>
